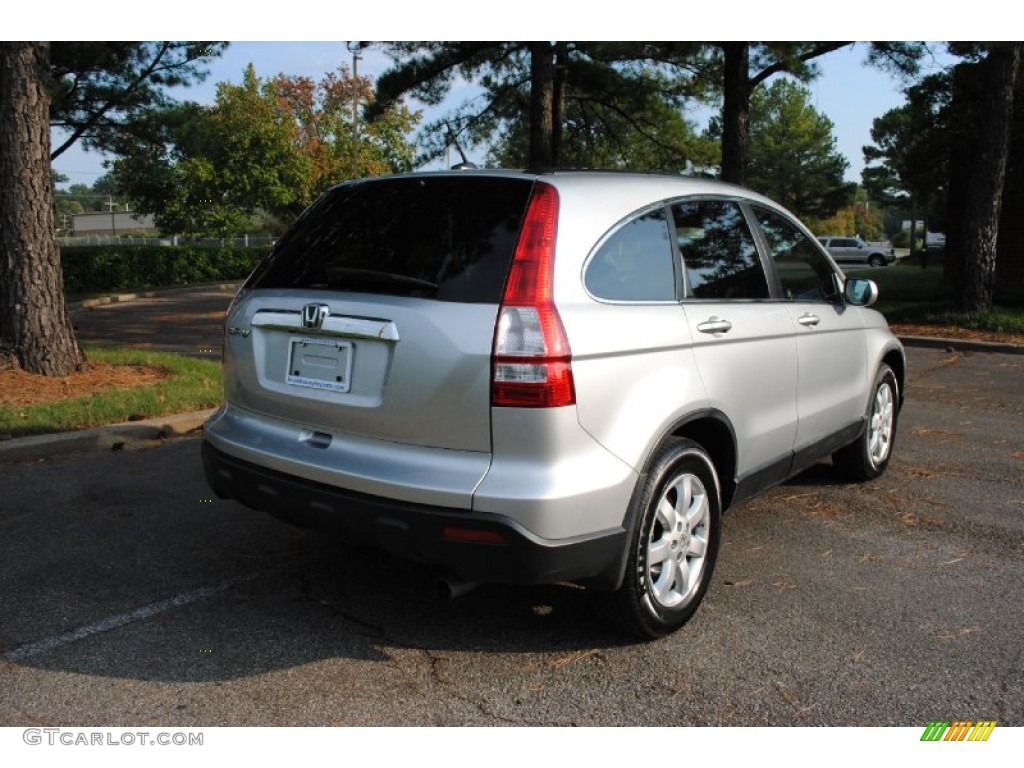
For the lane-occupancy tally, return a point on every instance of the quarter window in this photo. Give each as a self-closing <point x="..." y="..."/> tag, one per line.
<point x="804" y="272"/>
<point x="718" y="251"/>
<point x="635" y="262"/>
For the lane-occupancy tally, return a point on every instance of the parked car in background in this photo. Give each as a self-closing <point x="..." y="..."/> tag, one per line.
<point x="935" y="241"/>
<point x="528" y="378"/>
<point x="855" y="249"/>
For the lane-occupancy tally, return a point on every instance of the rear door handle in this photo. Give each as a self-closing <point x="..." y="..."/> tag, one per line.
<point x="808" y="320"/>
<point x="714" y="325"/>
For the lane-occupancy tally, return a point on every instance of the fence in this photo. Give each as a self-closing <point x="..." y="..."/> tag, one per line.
<point x="212" y="242"/>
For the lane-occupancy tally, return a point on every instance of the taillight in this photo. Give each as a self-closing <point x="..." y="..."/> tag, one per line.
<point x="532" y="361"/>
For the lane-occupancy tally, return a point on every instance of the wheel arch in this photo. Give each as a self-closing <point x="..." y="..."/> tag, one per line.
<point x="894" y="359"/>
<point x="712" y="430"/>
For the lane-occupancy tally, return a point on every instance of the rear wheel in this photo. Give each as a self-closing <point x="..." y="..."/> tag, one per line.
<point x="674" y="544"/>
<point x="868" y="456"/>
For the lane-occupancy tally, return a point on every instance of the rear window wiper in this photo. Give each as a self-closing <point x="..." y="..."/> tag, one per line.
<point x="347" y="277"/>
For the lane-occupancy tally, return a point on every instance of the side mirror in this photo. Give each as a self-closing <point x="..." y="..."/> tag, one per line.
<point x="860" y="292"/>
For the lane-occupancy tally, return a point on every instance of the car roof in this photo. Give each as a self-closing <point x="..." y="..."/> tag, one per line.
<point x="631" y="188"/>
<point x="573" y="178"/>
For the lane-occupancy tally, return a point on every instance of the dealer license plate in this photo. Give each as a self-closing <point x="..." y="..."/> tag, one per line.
<point x="320" y="363"/>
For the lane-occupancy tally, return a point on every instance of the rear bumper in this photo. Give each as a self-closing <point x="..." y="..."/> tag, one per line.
<point x="508" y="553"/>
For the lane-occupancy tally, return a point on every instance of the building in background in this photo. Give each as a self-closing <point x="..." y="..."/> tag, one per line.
<point x="112" y="223"/>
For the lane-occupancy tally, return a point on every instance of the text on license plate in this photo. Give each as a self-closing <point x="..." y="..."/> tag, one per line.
<point x="319" y="363"/>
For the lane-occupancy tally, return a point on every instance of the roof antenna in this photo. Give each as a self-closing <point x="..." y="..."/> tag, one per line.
<point x="453" y="139"/>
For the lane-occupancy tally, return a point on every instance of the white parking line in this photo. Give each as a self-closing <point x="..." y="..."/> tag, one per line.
<point x="113" y="622"/>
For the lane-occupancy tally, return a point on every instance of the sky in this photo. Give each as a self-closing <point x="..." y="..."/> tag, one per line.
<point x="848" y="91"/>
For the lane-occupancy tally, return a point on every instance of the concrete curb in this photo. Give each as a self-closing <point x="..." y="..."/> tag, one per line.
<point x="962" y="345"/>
<point x="116" y="298"/>
<point x="129" y="434"/>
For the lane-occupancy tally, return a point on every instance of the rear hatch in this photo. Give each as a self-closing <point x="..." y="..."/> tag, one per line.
<point x="374" y="316"/>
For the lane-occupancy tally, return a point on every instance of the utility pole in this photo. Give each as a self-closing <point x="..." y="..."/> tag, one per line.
<point x="353" y="47"/>
<point x="112" y="206"/>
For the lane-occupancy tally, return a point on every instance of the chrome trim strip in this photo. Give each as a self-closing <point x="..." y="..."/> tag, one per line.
<point x="290" y="321"/>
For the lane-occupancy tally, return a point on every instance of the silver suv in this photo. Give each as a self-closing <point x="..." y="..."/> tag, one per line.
<point x="527" y="378"/>
<point x="855" y="249"/>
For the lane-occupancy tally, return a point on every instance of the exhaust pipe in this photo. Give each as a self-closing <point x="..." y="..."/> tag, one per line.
<point x="449" y="586"/>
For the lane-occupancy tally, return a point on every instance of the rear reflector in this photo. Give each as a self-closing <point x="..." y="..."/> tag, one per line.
<point x="472" y="535"/>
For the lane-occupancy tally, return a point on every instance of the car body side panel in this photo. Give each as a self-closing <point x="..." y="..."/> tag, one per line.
<point x="750" y="373"/>
<point x="833" y="368"/>
<point x="635" y="374"/>
<point x="553" y="478"/>
<point x="880" y="344"/>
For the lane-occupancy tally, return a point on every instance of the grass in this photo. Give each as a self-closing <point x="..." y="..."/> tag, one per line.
<point x="910" y="294"/>
<point x="997" y="321"/>
<point x="193" y="384"/>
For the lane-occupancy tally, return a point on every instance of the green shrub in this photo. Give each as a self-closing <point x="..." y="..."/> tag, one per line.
<point x="102" y="269"/>
<point x="902" y="240"/>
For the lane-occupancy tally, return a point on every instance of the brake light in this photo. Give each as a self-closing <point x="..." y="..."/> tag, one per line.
<point x="531" y="362"/>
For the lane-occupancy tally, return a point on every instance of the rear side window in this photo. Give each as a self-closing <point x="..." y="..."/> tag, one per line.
<point x="718" y="250"/>
<point x="447" y="238"/>
<point x="635" y="262"/>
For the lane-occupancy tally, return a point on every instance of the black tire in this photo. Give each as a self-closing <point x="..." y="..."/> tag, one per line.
<point x="867" y="457"/>
<point x="679" y="517"/>
<point x="877" y="260"/>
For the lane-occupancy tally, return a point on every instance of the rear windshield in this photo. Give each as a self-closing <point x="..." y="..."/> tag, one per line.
<point x="447" y="238"/>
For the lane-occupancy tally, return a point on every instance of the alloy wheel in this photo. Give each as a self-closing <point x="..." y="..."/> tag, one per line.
<point x="677" y="546"/>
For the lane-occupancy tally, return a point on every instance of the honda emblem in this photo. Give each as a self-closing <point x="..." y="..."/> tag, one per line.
<point x="313" y="315"/>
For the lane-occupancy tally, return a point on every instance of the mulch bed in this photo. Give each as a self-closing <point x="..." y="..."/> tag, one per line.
<point x="20" y="388"/>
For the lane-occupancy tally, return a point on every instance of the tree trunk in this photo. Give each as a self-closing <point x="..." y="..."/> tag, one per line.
<point x="925" y="202"/>
<point x="735" y="111"/>
<point x="985" y="186"/>
<point x="1010" y="266"/>
<point x="542" y="95"/>
<point x="558" y="101"/>
<point x="913" y="224"/>
<point x="34" y="322"/>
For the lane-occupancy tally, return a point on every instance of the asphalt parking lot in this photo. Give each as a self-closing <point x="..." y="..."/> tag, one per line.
<point x="128" y="596"/>
<point x="188" y="322"/>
